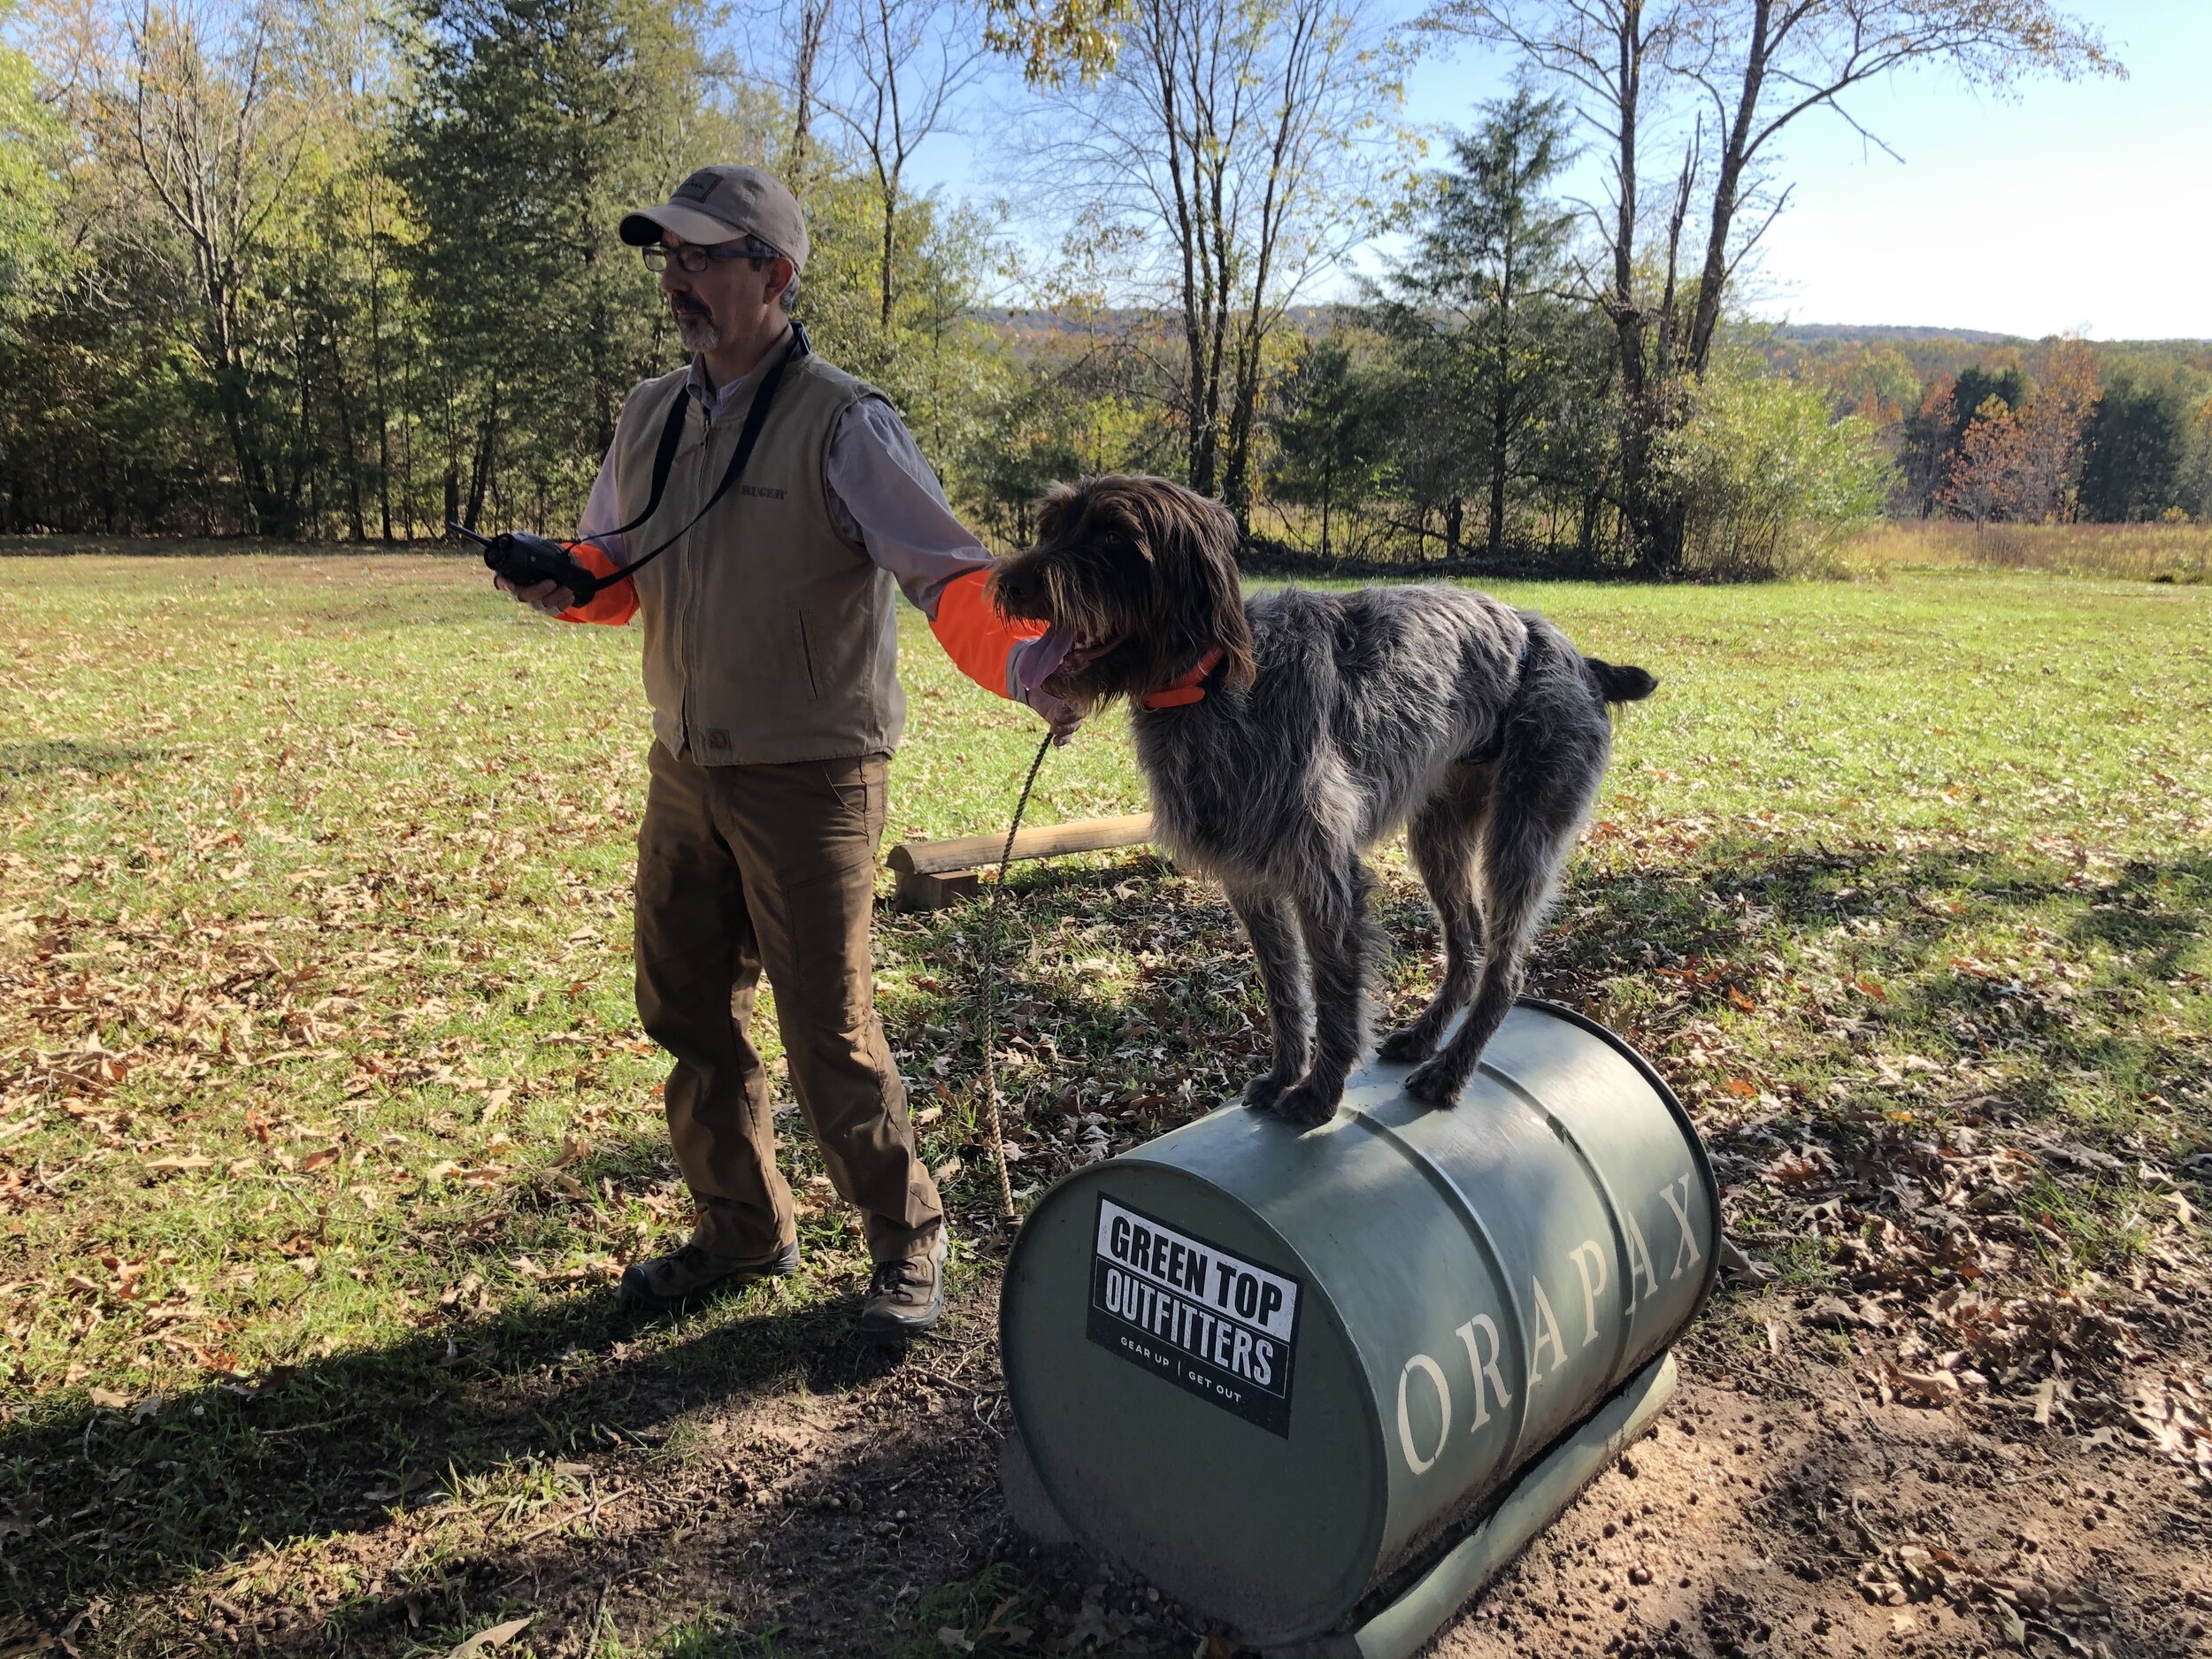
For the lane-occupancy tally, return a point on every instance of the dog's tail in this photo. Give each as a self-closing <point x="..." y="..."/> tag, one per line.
<point x="1618" y="684"/>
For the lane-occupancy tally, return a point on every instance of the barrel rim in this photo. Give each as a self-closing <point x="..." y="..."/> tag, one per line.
<point x="1698" y="1156"/>
<point x="1377" y="1522"/>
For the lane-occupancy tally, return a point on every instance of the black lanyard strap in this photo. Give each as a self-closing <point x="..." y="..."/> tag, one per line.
<point x="672" y="434"/>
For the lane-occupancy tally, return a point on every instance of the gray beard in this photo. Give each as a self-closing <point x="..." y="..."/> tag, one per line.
<point x="697" y="332"/>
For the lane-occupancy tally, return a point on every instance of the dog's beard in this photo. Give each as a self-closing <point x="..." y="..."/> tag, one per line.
<point x="1092" y="672"/>
<point x="1070" y="689"/>
<point x="697" y="330"/>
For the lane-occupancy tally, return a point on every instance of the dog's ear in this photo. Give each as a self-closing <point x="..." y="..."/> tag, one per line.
<point x="1061" y="506"/>
<point x="1232" y="630"/>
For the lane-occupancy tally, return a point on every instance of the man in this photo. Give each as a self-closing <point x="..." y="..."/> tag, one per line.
<point x="770" y="634"/>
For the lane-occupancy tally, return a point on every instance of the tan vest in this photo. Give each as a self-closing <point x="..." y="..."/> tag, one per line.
<point x="768" y="637"/>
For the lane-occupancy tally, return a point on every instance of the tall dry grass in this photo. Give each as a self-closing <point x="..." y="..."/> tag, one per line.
<point x="2131" y="552"/>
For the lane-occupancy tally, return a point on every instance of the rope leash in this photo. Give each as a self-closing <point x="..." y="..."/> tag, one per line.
<point x="990" y="984"/>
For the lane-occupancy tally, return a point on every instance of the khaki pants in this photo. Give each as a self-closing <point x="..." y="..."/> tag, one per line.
<point x="742" y="868"/>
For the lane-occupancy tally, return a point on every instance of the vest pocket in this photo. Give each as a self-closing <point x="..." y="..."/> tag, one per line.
<point x="806" y="653"/>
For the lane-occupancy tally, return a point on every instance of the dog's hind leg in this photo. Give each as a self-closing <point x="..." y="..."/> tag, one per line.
<point x="1535" y="816"/>
<point x="1339" y="943"/>
<point x="1442" y="838"/>
<point x="1268" y="924"/>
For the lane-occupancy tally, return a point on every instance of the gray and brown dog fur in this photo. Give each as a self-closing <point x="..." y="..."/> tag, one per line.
<point x="1333" y="719"/>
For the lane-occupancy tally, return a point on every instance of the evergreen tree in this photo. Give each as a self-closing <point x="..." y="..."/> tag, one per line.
<point x="2136" y="438"/>
<point x="1330" y="419"/>
<point x="1975" y="387"/>
<point x="1475" y="313"/>
<point x="536" y="124"/>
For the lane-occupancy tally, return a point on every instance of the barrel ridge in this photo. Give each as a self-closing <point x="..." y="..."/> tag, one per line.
<point x="1699" y="1159"/>
<point x="1605" y="1192"/>
<point x="1440" y="1178"/>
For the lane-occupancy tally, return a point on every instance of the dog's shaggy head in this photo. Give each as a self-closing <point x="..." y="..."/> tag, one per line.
<point x="1143" y="574"/>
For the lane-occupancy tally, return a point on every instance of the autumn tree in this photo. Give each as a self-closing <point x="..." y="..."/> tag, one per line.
<point x="1984" y="480"/>
<point x="1057" y="43"/>
<point x="2055" y="423"/>
<point x="193" y="114"/>
<point x="1729" y="77"/>
<point x="2020" y="462"/>
<point x="909" y="61"/>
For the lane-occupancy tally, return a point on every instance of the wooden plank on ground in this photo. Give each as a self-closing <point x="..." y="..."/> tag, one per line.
<point x="1047" y="840"/>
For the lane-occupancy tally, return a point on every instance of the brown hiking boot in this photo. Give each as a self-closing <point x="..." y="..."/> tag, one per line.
<point x="689" y="1276"/>
<point x="906" y="1295"/>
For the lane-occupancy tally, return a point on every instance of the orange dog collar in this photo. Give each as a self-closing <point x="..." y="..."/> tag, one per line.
<point x="1187" y="687"/>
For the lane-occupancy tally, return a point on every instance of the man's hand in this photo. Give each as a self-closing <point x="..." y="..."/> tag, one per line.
<point x="1063" y="718"/>
<point x="550" y="599"/>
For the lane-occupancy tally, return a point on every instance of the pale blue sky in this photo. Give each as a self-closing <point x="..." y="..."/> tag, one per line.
<point x="2083" y="206"/>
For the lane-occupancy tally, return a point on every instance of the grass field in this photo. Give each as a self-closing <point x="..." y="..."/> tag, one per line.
<point x="327" y="1124"/>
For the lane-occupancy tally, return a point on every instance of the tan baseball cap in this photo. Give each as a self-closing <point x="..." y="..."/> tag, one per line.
<point x="721" y="203"/>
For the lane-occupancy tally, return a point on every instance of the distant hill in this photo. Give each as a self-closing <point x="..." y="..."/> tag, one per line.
<point x="1826" y="348"/>
<point x="1878" y="333"/>
<point x="1853" y="357"/>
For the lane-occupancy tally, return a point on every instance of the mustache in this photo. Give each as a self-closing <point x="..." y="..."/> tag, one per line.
<point x="684" y="305"/>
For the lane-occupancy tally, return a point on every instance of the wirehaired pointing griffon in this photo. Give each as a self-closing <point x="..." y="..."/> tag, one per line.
<point x="1285" y="734"/>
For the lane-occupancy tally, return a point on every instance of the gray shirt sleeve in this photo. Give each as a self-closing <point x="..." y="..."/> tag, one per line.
<point x="883" y="495"/>
<point x="602" y="512"/>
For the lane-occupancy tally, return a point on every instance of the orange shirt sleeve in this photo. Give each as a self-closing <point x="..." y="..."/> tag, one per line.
<point x="613" y="605"/>
<point x="981" y="642"/>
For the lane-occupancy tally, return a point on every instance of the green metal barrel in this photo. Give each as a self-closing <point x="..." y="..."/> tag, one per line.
<point x="1268" y="1368"/>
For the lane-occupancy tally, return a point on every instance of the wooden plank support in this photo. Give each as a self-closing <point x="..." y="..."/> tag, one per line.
<point x="934" y="874"/>
<point x="919" y="892"/>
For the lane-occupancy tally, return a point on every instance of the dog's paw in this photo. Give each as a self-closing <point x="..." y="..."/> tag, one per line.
<point x="1438" y="1082"/>
<point x="1307" y="1104"/>
<point x="1263" y="1092"/>
<point x="1404" y="1046"/>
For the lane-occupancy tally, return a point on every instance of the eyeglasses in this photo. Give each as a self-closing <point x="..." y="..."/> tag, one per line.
<point x="658" y="256"/>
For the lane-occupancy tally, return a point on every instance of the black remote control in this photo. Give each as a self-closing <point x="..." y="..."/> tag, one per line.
<point x="525" y="560"/>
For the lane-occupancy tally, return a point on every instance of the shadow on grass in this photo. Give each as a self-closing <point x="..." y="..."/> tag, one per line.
<point x="1962" y="939"/>
<point x="128" y="1499"/>
<point x="62" y="755"/>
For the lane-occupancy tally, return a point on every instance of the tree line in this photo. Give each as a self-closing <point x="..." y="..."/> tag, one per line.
<point x="345" y="269"/>
<point x="2056" y="431"/>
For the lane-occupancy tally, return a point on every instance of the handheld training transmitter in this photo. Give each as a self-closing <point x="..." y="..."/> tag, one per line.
<point x="524" y="560"/>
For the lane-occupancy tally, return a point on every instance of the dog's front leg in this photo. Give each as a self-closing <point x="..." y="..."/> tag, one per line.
<point x="1267" y="923"/>
<point x="1340" y="942"/>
